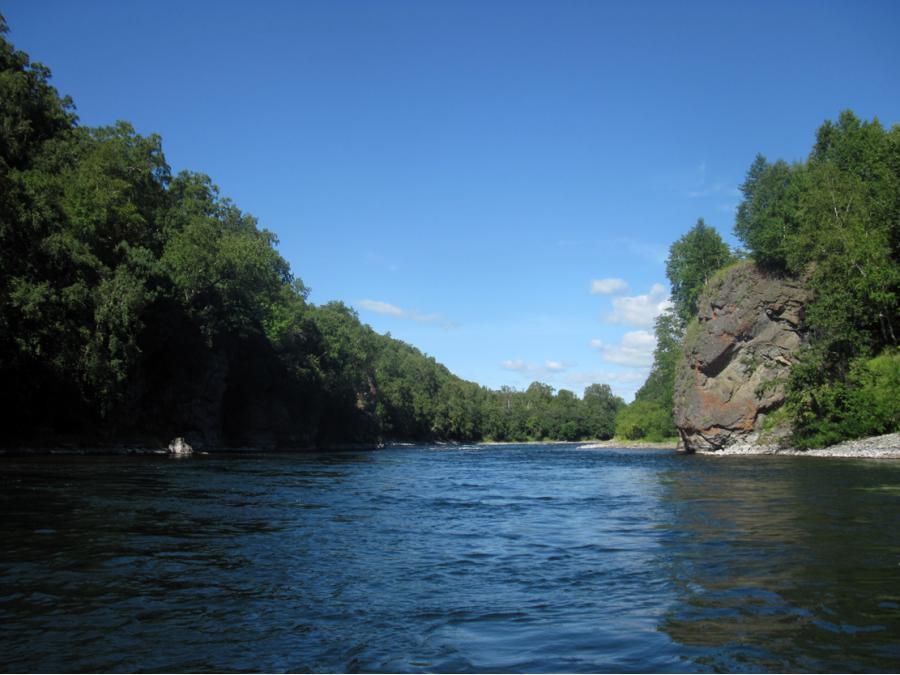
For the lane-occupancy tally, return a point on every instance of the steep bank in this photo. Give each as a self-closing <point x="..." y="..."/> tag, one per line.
<point x="737" y="354"/>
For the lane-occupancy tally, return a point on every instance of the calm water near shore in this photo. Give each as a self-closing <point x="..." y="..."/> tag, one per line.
<point x="490" y="558"/>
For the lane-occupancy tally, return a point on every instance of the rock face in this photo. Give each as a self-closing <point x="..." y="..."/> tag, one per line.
<point x="179" y="446"/>
<point x="737" y="357"/>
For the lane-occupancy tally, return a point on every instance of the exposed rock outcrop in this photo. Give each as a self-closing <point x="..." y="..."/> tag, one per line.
<point x="737" y="357"/>
<point x="179" y="446"/>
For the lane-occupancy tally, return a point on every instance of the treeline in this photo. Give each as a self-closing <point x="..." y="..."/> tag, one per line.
<point x="834" y="221"/>
<point x="138" y="304"/>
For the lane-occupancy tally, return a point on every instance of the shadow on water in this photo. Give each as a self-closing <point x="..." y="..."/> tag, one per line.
<point x="784" y="564"/>
<point x="141" y="563"/>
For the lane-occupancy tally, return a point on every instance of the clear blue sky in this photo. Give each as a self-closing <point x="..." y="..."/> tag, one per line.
<point x="463" y="172"/>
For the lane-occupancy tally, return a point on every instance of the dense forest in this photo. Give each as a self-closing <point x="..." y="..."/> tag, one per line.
<point x="833" y="221"/>
<point x="139" y="305"/>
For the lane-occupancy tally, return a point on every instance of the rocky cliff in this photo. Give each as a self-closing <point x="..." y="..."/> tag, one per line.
<point x="737" y="357"/>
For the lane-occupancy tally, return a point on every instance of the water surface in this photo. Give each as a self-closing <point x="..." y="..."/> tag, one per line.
<point x="506" y="558"/>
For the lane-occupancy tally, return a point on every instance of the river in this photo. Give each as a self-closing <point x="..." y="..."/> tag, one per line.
<point x="524" y="558"/>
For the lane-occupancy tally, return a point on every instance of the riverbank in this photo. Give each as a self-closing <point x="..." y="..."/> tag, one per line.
<point x="886" y="446"/>
<point x="671" y="444"/>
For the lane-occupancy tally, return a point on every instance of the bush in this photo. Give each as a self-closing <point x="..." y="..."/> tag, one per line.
<point x="644" y="420"/>
<point x="866" y="403"/>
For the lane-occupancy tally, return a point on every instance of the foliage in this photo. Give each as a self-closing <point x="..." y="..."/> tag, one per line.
<point x="645" y="420"/>
<point x="692" y="260"/>
<point x="137" y="302"/>
<point x="654" y="401"/>
<point x="835" y="220"/>
<point x="866" y="402"/>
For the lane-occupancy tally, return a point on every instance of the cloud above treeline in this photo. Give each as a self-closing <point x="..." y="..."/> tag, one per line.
<point x="639" y="310"/>
<point x="635" y="348"/>
<point x="561" y="375"/>
<point x="387" y="309"/>
<point x="623" y="382"/>
<point x="520" y="366"/>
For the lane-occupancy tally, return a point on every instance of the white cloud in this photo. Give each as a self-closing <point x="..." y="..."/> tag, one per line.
<point x="634" y="349"/>
<point x="379" y="307"/>
<point x="608" y="286"/>
<point x="387" y="309"/>
<point x="623" y="382"/>
<point x="549" y="369"/>
<point x="640" y="310"/>
<point x="606" y="377"/>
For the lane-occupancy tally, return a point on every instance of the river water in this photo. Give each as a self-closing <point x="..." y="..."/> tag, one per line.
<point x="480" y="558"/>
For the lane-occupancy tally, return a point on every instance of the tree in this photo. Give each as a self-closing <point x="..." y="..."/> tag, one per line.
<point x="601" y="408"/>
<point x="660" y="384"/>
<point x="832" y="220"/>
<point x="692" y="261"/>
<point x="644" y="420"/>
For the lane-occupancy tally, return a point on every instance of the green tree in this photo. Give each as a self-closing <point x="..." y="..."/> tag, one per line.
<point x="644" y="420"/>
<point x="601" y="407"/>
<point x="833" y="221"/>
<point x="692" y="261"/>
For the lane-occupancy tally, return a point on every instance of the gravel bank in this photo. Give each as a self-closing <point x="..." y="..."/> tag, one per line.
<point x="875" y="447"/>
<point x="630" y="445"/>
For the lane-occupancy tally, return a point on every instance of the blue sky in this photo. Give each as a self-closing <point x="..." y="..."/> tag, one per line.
<point x="496" y="183"/>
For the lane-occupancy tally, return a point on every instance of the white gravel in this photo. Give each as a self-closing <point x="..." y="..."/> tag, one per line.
<point x="874" y="447"/>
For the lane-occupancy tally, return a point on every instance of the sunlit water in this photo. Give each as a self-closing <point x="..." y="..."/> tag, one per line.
<point x="521" y="558"/>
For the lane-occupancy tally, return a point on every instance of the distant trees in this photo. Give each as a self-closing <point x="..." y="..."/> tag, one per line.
<point x="651" y="415"/>
<point x="601" y="407"/>
<point x="537" y="413"/>
<point x="134" y="301"/>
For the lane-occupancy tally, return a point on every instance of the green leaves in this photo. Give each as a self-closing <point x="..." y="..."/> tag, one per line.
<point x="834" y="220"/>
<point x="692" y="261"/>
<point x="645" y="420"/>
<point x="224" y="270"/>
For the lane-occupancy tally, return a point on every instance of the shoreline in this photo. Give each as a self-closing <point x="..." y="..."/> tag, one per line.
<point x="630" y="445"/>
<point x="886" y="446"/>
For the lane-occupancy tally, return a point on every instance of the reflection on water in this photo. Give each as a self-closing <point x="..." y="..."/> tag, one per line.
<point x="786" y="564"/>
<point x="523" y="558"/>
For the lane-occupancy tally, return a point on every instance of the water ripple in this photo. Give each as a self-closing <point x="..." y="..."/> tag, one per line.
<point x="450" y="559"/>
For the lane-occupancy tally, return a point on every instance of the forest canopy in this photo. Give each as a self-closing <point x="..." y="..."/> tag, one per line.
<point x="138" y="303"/>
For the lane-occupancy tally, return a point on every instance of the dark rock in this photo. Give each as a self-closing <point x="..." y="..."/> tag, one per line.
<point x="737" y="356"/>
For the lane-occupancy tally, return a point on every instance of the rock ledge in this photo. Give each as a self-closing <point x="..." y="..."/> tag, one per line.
<point x="179" y="446"/>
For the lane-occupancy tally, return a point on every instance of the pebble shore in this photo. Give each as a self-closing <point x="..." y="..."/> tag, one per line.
<point x="873" y="447"/>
